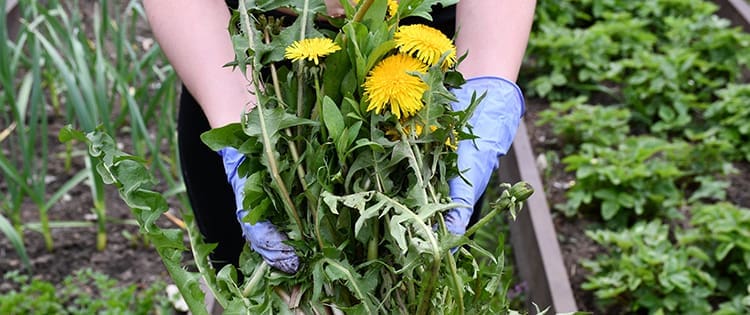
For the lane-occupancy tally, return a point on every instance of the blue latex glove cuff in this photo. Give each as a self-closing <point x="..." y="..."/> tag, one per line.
<point x="494" y="121"/>
<point x="264" y="238"/>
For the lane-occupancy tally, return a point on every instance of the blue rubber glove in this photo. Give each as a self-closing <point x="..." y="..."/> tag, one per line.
<point x="495" y="121"/>
<point x="264" y="238"/>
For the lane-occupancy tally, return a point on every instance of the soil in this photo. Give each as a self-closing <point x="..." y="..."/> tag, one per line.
<point x="574" y="244"/>
<point x="126" y="257"/>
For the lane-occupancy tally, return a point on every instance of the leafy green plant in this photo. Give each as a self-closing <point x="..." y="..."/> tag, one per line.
<point x="729" y="117"/>
<point x="576" y="122"/>
<point x="739" y="304"/>
<point x="665" y="66"/>
<point x="722" y="230"/>
<point x="84" y="292"/>
<point x="636" y="179"/>
<point x="644" y="270"/>
<point x="575" y="61"/>
<point x="661" y="59"/>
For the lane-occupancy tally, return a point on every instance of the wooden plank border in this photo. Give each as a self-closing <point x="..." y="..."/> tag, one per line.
<point x="538" y="258"/>
<point x="12" y="18"/>
<point x="737" y="11"/>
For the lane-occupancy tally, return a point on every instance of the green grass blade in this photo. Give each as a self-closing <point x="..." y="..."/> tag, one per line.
<point x="15" y="240"/>
<point x="69" y="184"/>
<point x="77" y="101"/>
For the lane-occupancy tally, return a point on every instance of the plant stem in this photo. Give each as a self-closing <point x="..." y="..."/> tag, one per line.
<point x="360" y="14"/>
<point x="293" y="150"/>
<point x="418" y="155"/>
<point x="454" y="278"/>
<point x="97" y="189"/>
<point x="502" y="204"/>
<point x="280" y="99"/>
<point x="372" y="245"/>
<point x="255" y="278"/>
<point x="300" y="64"/>
<point x="415" y="163"/>
<point x="426" y="293"/>
<point x="267" y="149"/>
<point x="274" y="169"/>
<point x="44" y="220"/>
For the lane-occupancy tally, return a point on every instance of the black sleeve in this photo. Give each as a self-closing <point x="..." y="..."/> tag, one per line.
<point x="443" y="18"/>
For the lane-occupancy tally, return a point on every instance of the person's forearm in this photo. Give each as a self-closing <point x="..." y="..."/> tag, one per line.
<point x="495" y="34"/>
<point x="194" y="37"/>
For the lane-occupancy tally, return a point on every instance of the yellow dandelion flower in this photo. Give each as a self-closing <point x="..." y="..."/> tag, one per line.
<point x="427" y="43"/>
<point x="311" y="49"/>
<point x="392" y="7"/>
<point x="389" y="82"/>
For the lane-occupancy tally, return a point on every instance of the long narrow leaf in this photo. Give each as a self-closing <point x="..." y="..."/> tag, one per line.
<point x="15" y="240"/>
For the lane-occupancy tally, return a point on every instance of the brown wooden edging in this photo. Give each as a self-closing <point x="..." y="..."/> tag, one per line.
<point x="737" y="11"/>
<point x="538" y="259"/>
<point x="12" y="18"/>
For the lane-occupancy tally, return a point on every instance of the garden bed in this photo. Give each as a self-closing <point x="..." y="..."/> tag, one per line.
<point x="127" y="258"/>
<point x="541" y="229"/>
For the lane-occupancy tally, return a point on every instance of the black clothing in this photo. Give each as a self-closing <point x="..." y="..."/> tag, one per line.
<point x="211" y="196"/>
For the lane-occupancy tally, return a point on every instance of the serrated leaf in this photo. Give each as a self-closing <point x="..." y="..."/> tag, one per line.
<point x="366" y="214"/>
<point x="341" y="270"/>
<point x="67" y="133"/>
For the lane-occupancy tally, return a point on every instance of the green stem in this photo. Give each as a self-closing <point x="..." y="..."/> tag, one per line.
<point x="274" y="169"/>
<point x="362" y="10"/>
<point x="267" y="149"/>
<point x="426" y="292"/>
<point x="300" y="64"/>
<point x="418" y="156"/>
<point x="454" y="278"/>
<point x="502" y="204"/>
<point x="372" y="245"/>
<point x="97" y="190"/>
<point x="44" y="220"/>
<point x="255" y="278"/>
<point x="293" y="150"/>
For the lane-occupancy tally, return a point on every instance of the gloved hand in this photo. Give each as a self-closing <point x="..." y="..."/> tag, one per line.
<point x="265" y="239"/>
<point x="495" y="121"/>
